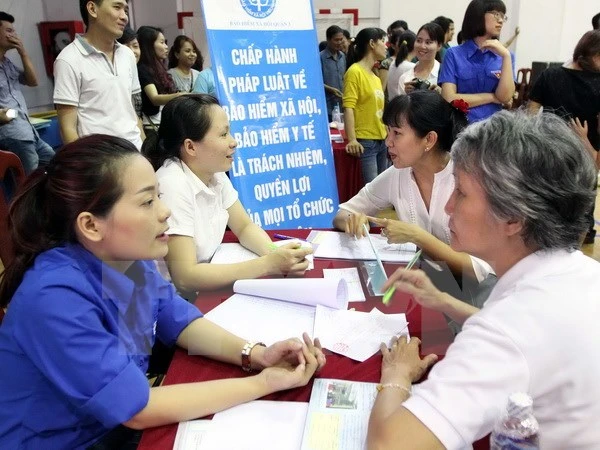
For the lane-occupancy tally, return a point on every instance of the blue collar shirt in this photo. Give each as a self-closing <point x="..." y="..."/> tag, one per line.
<point x="333" y="67"/>
<point x="473" y="71"/>
<point x="75" y="345"/>
<point x="12" y="97"/>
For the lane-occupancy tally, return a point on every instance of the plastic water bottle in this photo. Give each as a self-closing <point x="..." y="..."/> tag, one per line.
<point x="335" y="114"/>
<point x="517" y="429"/>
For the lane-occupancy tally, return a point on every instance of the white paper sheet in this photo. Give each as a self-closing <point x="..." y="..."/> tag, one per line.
<point x="262" y="319"/>
<point x="271" y="310"/>
<point x="338" y="245"/>
<point x="350" y="274"/>
<point x="357" y="335"/>
<point x="190" y="435"/>
<point x="230" y="253"/>
<point x="306" y="291"/>
<point x="258" y="425"/>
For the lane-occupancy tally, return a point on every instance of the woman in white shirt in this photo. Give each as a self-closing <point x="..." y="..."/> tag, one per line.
<point x="429" y="41"/>
<point x="404" y="46"/>
<point x="191" y="152"/>
<point x="523" y="185"/>
<point x="421" y="129"/>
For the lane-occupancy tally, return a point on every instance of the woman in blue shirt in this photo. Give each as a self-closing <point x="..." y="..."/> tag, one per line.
<point x="86" y="305"/>
<point x="481" y="70"/>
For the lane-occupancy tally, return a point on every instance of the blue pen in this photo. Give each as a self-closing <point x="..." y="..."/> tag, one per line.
<point x="283" y="236"/>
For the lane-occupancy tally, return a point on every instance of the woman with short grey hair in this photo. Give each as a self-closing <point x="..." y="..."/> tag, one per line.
<point x="523" y="184"/>
<point x="518" y="162"/>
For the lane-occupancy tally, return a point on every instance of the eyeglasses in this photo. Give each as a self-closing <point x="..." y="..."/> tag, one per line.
<point x="498" y="15"/>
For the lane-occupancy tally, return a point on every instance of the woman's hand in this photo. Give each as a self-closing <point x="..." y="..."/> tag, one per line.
<point x="354" y="225"/>
<point x="287" y="353"/>
<point x="417" y="284"/>
<point x="354" y="148"/>
<point x="495" y="46"/>
<point x="289" y="259"/>
<point x="436" y="88"/>
<point x="401" y="362"/>
<point x="287" y="376"/>
<point x="579" y="128"/>
<point x="409" y="86"/>
<point x="396" y="231"/>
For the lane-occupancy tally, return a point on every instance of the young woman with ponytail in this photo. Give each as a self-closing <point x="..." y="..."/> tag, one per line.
<point x="191" y="153"/>
<point x="86" y="304"/>
<point x="364" y="101"/>
<point x="404" y="45"/>
<point x="421" y="127"/>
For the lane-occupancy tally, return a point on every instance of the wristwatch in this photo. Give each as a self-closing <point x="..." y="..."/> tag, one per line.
<point x="246" y="360"/>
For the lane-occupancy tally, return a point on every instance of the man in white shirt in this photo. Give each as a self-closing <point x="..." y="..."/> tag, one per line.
<point x="96" y="77"/>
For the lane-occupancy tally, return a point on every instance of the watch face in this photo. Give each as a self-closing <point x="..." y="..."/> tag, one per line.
<point x="11" y="113"/>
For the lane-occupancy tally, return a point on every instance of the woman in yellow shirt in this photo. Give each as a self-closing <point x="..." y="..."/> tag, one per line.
<point x="363" y="103"/>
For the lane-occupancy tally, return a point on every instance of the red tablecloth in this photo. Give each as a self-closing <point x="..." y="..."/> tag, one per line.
<point x="429" y="326"/>
<point x="347" y="171"/>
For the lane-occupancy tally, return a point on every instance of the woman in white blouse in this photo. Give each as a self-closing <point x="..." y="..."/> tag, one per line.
<point x="191" y="152"/>
<point x="421" y="129"/>
<point x="430" y="38"/>
<point x="404" y="47"/>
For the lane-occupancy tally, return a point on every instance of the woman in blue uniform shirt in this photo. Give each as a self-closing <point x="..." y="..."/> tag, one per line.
<point x="86" y="305"/>
<point x="481" y="70"/>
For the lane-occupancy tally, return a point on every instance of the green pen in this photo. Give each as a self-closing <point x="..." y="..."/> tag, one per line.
<point x="388" y="295"/>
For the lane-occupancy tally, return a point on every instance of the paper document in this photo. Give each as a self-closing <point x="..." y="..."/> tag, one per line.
<point x="190" y="435"/>
<point x="230" y="253"/>
<point x="338" y="415"/>
<point x="338" y="245"/>
<point x="350" y="274"/>
<point x="271" y="310"/>
<point x="357" y="335"/>
<point x="239" y="428"/>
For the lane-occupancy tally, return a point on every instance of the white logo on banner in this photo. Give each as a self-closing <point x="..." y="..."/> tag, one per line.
<point x="258" y="8"/>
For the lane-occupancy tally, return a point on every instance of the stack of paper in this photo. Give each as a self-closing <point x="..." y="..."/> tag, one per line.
<point x="190" y="434"/>
<point x="337" y="417"/>
<point x="230" y="253"/>
<point x="239" y="427"/>
<point x="357" y="335"/>
<point x="338" y="245"/>
<point x="270" y="310"/>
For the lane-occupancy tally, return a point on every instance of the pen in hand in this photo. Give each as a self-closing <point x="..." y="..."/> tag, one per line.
<point x="388" y="295"/>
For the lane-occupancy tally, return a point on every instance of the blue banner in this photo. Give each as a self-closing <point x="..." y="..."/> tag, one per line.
<point x="266" y="61"/>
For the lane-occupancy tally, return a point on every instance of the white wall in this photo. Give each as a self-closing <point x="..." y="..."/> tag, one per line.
<point x="59" y="10"/>
<point x="157" y="13"/>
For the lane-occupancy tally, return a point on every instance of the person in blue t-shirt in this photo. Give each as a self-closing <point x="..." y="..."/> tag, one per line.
<point x="86" y="305"/>
<point x="481" y="70"/>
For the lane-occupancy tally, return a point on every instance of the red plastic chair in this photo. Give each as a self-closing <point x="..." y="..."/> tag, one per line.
<point x="9" y="164"/>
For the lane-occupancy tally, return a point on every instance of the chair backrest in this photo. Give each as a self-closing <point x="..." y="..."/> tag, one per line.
<point x="523" y="86"/>
<point x="11" y="176"/>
